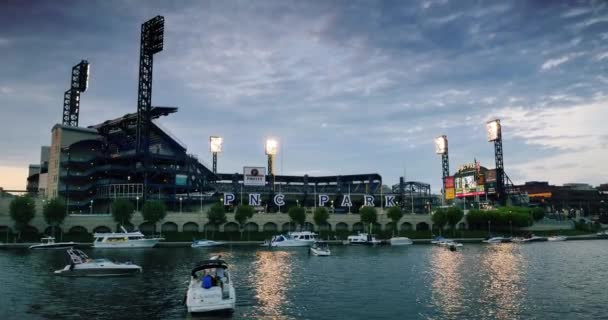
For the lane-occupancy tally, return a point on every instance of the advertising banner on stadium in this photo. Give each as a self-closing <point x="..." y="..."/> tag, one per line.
<point x="449" y="193"/>
<point x="181" y="179"/>
<point x="449" y="182"/>
<point x="467" y="186"/>
<point x="254" y="176"/>
<point x="491" y="175"/>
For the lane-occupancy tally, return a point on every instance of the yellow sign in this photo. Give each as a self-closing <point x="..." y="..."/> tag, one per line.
<point x="540" y="195"/>
<point x="449" y="193"/>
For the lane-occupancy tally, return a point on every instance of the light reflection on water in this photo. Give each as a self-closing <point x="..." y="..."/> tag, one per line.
<point x="502" y="288"/>
<point x="270" y="276"/>
<point x="446" y="280"/>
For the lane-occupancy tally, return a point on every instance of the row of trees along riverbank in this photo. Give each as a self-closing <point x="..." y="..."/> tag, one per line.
<point x="23" y="210"/>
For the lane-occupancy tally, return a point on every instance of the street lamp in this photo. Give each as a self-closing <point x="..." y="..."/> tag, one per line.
<point x="297" y="203"/>
<point x="91" y="212"/>
<point x="332" y="207"/>
<point x="180" y="204"/>
<point x="137" y="204"/>
<point x="215" y="146"/>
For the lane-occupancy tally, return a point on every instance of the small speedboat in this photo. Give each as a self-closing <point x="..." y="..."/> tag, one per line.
<point x="531" y="238"/>
<point x="401" y="241"/>
<point x="450" y="243"/>
<point x="557" y="238"/>
<point x="49" y="243"/>
<point x="320" y="248"/>
<point x="83" y="266"/>
<point x="205" y="243"/>
<point x="497" y="240"/>
<point x="438" y="240"/>
<point x="210" y="287"/>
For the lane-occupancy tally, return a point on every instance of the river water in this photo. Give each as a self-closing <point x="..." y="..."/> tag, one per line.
<point x="551" y="280"/>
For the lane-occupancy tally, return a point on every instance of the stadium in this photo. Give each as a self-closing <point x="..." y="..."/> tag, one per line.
<point x="134" y="157"/>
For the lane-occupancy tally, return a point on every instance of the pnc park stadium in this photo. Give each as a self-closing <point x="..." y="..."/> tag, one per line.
<point x="132" y="156"/>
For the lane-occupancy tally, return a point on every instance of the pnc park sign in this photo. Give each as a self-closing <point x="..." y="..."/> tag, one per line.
<point x="255" y="199"/>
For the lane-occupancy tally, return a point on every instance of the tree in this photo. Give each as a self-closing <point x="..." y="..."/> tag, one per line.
<point x="453" y="216"/>
<point x="439" y="219"/>
<point x="243" y="213"/>
<point x="54" y="212"/>
<point x="216" y="216"/>
<point x="122" y="211"/>
<point x="320" y="216"/>
<point x="368" y="215"/>
<point x="537" y="213"/>
<point x="395" y="214"/>
<point x="297" y="216"/>
<point x="22" y="210"/>
<point x="153" y="212"/>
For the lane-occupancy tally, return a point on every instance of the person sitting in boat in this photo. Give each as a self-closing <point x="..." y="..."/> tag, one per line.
<point x="207" y="281"/>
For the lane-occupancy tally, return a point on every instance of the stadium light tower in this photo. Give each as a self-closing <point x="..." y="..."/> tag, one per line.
<point x="494" y="133"/>
<point x="215" y="145"/>
<point x="71" y="99"/>
<point x="152" y="40"/>
<point x="441" y="148"/>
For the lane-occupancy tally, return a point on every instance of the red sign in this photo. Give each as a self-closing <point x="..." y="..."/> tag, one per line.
<point x="449" y="182"/>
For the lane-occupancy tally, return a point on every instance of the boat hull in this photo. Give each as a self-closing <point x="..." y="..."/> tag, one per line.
<point x="320" y="253"/>
<point x="292" y="243"/>
<point x="401" y="242"/>
<point x="97" y="272"/>
<point x="143" y="243"/>
<point x="206" y="244"/>
<point x="54" y="246"/>
<point x="199" y="300"/>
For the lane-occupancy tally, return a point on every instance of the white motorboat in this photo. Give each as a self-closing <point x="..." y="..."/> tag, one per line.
<point x="49" y="243"/>
<point x="83" y="266"/>
<point x="602" y="233"/>
<point x="294" y="239"/>
<point x="362" y="239"/>
<point x="557" y="238"/>
<point x="532" y="238"/>
<point x="205" y="243"/>
<point x="124" y="239"/>
<point x="401" y="241"/>
<point x="438" y="240"/>
<point x="449" y="243"/>
<point x="210" y="287"/>
<point x="497" y="240"/>
<point x="320" y="248"/>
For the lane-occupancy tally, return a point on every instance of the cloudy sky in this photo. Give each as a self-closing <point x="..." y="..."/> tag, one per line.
<point x="345" y="86"/>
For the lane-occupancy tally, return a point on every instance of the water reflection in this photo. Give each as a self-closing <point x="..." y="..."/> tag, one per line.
<point x="446" y="282"/>
<point x="502" y="290"/>
<point x="271" y="279"/>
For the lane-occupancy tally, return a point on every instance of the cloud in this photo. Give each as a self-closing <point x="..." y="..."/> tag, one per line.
<point x="555" y="62"/>
<point x="576" y="12"/>
<point x="576" y="132"/>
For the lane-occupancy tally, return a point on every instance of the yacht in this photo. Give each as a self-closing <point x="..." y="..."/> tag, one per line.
<point x="496" y="240"/>
<point x="362" y="239"/>
<point x="124" y="239"/>
<point x="320" y="248"/>
<point x="294" y="239"/>
<point x="210" y="287"/>
<point x="83" y="266"/>
<point x="49" y="243"/>
<point x="401" y="241"/>
<point x="205" y="243"/>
